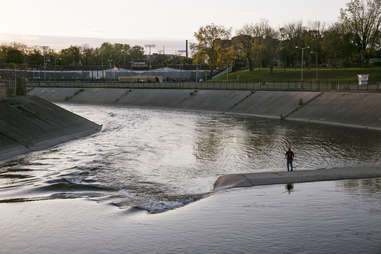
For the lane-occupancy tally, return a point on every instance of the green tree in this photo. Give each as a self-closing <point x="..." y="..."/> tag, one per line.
<point x="71" y="56"/>
<point x="14" y="55"/>
<point x="291" y="36"/>
<point x="205" y="48"/>
<point x="258" y="43"/>
<point x="337" y="46"/>
<point x="363" y="19"/>
<point x="136" y="53"/>
<point x="35" y="57"/>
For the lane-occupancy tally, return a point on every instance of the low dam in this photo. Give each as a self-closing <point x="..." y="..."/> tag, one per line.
<point x="31" y="123"/>
<point x="360" y="110"/>
<point x="303" y="176"/>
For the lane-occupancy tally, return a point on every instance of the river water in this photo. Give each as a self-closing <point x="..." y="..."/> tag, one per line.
<point x="156" y="159"/>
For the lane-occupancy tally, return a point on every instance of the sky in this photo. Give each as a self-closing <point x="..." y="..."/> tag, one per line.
<point x="153" y="19"/>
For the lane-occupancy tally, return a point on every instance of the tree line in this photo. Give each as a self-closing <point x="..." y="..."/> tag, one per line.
<point x="107" y="55"/>
<point x="351" y="41"/>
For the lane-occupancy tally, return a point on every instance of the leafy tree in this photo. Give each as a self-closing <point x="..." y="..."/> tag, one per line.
<point x="136" y="53"/>
<point x="337" y="48"/>
<point x="243" y="46"/>
<point x="14" y="55"/>
<point x="71" y="56"/>
<point x="205" y="49"/>
<point x="224" y="52"/>
<point x="291" y="36"/>
<point x="35" y="57"/>
<point x="363" y="19"/>
<point x="258" y="43"/>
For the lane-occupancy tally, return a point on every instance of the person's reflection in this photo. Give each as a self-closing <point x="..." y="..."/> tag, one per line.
<point x="289" y="187"/>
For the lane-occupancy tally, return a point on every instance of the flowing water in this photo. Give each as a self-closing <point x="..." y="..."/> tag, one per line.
<point x="157" y="160"/>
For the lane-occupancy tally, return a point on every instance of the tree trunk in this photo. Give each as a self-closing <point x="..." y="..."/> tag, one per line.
<point x="251" y="64"/>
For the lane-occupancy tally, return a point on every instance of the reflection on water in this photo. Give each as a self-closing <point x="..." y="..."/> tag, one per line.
<point x="290" y="188"/>
<point x="157" y="159"/>
<point x="367" y="186"/>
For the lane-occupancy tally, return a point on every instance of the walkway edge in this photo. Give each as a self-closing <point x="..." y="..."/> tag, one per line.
<point x="271" y="178"/>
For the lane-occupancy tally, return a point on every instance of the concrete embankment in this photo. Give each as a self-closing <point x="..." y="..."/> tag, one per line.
<point x="360" y="110"/>
<point x="346" y="109"/>
<point x="268" y="178"/>
<point x="31" y="123"/>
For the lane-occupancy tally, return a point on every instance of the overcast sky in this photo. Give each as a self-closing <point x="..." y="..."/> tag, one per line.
<point x="153" y="19"/>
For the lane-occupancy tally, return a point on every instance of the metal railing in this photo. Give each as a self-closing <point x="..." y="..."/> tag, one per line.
<point x="7" y="88"/>
<point x="287" y="86"/>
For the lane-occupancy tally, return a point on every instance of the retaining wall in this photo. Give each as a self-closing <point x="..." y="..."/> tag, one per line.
<point x="274" y="103"/>
<point x="31" y="123"/>
<point x="351" y="109"/>
<point x="361" y="110"/>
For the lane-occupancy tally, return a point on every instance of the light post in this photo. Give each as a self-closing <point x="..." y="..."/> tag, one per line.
<point x="227" y="73"/>
<point x="55" y="61"/>
<point x="302" y="59"/>
<point x="44" y="49"/>
<point x="124" y="57"/>
<point x="149" y="46"/>
<point x="316" y="63"/>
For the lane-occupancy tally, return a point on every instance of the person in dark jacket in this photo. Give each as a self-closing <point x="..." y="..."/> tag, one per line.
<point x="290" y="158"/>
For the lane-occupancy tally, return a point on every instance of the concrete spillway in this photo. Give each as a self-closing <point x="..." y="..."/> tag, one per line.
<point x="31" y="123"/>
<point x="268" y="178"/>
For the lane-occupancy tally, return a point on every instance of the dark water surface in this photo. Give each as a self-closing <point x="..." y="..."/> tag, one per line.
<point x="158" y="159"/>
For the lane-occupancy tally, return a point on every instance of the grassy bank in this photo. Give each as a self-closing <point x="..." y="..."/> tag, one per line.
<point x="294" y="74"/>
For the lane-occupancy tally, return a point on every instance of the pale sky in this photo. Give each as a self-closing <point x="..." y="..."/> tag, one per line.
<point x="153" y="19"/>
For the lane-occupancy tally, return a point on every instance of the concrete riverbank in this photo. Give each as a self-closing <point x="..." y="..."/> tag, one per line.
<point x="31" y="123"/>
<point x="358" y="110"/>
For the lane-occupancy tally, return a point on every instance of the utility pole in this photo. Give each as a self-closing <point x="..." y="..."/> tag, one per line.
<point x="316" y="64"/>
<point x="44" y="48"/>
<point x="186" y="49"/>
<point x="302" y="60"/>
<point x="149" y="46"/>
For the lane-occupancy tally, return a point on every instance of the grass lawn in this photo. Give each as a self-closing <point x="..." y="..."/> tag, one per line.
<point x="309" y="74"/>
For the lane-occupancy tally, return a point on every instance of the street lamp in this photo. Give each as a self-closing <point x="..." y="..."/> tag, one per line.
<point x="302" y="59"/>
<point x="44" y="49"/>
<point x="149" y="46"/>
<point x="316" y="62"/>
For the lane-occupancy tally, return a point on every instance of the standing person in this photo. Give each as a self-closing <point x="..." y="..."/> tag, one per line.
<point x="290" y="157"/>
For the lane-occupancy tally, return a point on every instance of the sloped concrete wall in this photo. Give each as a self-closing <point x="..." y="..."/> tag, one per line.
<point x="362" y="109"/>
<point x="214" y="100"/>
<point x="54" y="95"/>
<point x="169" y="98"/>
<point x="273" y="103"/>
<point x="32" y="123"/>
<point x="98" y="96"/>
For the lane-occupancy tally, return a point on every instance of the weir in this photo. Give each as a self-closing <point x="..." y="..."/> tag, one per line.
<point x="303" y="176"/>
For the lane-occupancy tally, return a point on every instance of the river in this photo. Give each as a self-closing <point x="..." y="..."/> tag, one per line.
<point x="157" y="160"/>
